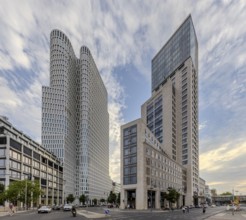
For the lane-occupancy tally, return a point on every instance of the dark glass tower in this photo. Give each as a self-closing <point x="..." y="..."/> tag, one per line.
<point x="182" y="45"/>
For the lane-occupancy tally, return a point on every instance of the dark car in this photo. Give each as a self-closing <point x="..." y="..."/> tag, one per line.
<point x="56" y="207"/>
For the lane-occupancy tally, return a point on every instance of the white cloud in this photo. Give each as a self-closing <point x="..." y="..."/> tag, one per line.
<point x="119" y="34"/>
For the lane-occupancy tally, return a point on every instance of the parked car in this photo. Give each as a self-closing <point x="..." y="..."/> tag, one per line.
<point x="67" y="207"/>
<point x="56" y="207"/>
<point x="213" y="205"/>
<point x="44" y="209"/>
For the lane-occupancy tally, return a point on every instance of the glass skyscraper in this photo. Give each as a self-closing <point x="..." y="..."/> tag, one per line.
<point x="75" y="119"/>
<point x="182" y="45"/>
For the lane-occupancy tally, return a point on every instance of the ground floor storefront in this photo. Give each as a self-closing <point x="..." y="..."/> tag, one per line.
<point x="148" y="199"/>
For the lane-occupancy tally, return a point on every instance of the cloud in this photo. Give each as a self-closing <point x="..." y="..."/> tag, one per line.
<point x="219" y="157"/>
<point x="202" y="125"/>
<point x="120" y="34"/>
<point x="224" y="166"/>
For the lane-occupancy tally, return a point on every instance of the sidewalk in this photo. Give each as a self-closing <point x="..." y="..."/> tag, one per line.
<point x="4" y="213"/>
<point x="227" y="215"/>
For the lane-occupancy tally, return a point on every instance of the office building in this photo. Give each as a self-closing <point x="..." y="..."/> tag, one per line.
<point x="171" y="113"/>
<point x="21" y="157"/>
<point x="75" y="119"/>
<point x="147" y="171"/>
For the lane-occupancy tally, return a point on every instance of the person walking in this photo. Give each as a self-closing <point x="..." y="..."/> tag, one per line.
<point x="183" y="209"/>
<point x="203" y="209"/>
<point x="10" y="209"/>
<point x="233" y="208"/>
<point x="188" y="209"/>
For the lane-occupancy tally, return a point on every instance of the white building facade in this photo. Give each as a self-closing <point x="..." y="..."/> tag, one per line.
<point x="22" y="158"/>
<point x="75" y="120"/>
<point x="146" y="170"/>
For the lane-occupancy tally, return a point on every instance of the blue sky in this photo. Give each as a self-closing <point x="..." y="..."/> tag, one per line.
<point x="123" y="37"/>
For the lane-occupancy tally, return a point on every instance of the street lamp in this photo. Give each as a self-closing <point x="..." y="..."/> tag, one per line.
<point x="64" y="183"/>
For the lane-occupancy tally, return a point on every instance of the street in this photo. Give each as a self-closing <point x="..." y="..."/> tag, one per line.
<point x="195" y="213"/>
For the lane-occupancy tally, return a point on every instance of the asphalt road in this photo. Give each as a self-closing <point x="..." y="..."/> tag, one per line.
<point x="195" y="214"/>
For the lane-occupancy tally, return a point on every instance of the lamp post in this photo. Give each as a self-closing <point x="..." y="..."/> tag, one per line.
<point x="64" y="183"/>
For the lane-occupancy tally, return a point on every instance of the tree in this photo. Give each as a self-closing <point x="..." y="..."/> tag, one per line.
<point x="94" y="201"/>
<point x="226" y="194"/>
<point x="112" y="197"/>
<point x="70" y="198"/>
<point x="172" y="196"/>
<point x="102" y="200"/>
<point x="2" y="187"/>
<point x="23" y="191"/>
<point x="82" y="199"/>
<point x="118" y="198"/>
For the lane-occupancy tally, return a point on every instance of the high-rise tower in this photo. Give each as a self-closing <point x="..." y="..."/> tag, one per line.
<point x="75" y="120"/>
<point x="172" y="111"/>
<point x="171" y="115"/>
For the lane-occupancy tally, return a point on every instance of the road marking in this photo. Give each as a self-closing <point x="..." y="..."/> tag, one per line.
<point x="221" y="214"/>
<point x="244" y="215"/>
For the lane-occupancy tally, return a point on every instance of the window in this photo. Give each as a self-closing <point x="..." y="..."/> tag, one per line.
<point x="2" y="152"/>
<point x="15" y="174"/>
<point x="2" y="162"/>
<point x="15" y="155"/>
<point x="3" y="140"/>
<point x="26" y="160"/>
<point x="14" y="165"/>
<point x="27" y="169"/>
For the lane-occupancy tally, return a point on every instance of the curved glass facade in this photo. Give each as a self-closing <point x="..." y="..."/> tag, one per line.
<point x="75" y="119"/>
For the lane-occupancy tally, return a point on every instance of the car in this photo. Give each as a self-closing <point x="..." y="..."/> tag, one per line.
<point x="44" y="209"/>
<point x="213" y="205"/>
<point x="67" y="207"/>
<point x="56" y="207"/>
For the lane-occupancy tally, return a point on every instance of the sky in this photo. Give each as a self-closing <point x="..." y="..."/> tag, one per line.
<point x="123" y="37"/>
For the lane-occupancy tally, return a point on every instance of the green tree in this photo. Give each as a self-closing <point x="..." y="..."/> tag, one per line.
<point x="102" y="200"/>
<point x="112" y="197"/>
<point x="172" y="196"/>
<point x="23" y="191"/>
<point x="2" y="188"/>
<point x="94" y="201"/>
<point x="70" y="198"/>
<point x="226" y="194"/>
<point x="118" y="198"/>
<point x="82" y="199"/>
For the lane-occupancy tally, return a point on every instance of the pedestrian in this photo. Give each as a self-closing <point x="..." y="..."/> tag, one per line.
<point x="203" y="209"/>
<point x="188" y="209"/>
<point x="183" y="209"/>
<point x="233" y="209"/>
<point x="10" y="209"/>
<point x="14" y="209"/>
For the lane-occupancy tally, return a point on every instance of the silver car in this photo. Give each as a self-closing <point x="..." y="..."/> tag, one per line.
<point x="67" y="207"/>
<point x="44" y="209"/>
